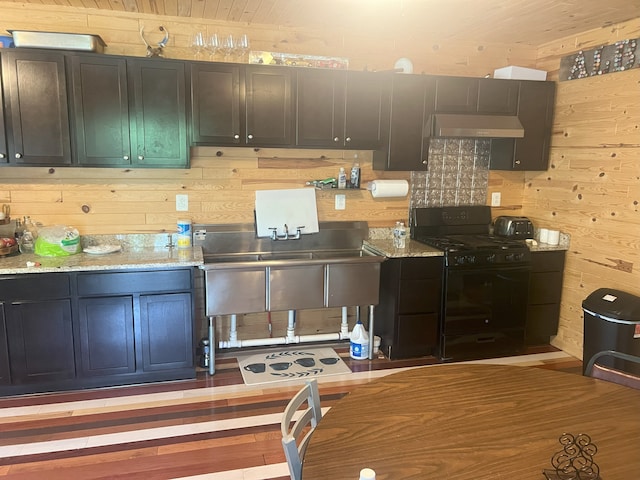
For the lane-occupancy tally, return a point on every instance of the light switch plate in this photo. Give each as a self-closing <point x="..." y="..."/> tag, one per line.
<point x="341" y="202"/>
<point x="495" y="199"/>
<point x="182" y="203"/>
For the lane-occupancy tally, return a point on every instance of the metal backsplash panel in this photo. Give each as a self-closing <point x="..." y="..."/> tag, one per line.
<point x="457" y="174"/>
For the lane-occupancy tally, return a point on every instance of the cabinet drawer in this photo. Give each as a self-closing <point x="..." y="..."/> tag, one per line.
<point x="34" y="287"/>
<point x="126" y="282"/>
<point x="547" y="261"/>
<point x="421" y="268"/>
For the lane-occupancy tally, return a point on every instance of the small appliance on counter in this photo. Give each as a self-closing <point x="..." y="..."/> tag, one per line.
<point x="518" y="228"/>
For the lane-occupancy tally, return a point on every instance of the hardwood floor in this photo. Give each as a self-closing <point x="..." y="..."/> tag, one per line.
<point x="207" y="428"/>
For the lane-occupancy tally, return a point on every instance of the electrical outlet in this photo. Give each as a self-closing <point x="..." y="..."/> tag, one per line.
<point x="495" y="199"/>
<point x="182" y="203"/>
<point x="341" y="202"/>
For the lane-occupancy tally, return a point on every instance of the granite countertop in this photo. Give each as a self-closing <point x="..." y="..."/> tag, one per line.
<point x="380" y="241"/>
<point x="137" y="252"/>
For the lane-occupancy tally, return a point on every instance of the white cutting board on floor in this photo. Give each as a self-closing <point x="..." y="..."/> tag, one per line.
<point x="294" y="207"/>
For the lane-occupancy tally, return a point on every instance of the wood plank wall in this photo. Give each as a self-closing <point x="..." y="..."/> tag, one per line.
<point x="592" y="189"/>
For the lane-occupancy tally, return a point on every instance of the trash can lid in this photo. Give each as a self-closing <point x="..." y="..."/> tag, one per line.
<point x="614" y="304"/>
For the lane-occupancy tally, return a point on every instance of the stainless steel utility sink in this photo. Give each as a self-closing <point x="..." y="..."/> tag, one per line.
<point x="245" y="274"/>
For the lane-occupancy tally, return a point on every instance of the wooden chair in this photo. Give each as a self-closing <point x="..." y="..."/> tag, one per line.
<point x="610" y="374"/>
<point x="294" y="438"/>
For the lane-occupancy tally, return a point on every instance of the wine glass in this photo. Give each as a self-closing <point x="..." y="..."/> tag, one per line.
<point x="213" y="45"/>
<point x="228" y="46"/>
<point x="242" y="45"/>
<point x="197" y="44"/>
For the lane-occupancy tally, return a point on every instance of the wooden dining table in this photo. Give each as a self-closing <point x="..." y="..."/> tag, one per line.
<point x="474" y="422"/>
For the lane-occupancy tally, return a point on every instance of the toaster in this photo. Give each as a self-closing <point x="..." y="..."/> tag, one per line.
<point x="513" y="227"/>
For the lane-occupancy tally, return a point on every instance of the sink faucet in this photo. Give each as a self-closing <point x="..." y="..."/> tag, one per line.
<point x="286" y="236"/>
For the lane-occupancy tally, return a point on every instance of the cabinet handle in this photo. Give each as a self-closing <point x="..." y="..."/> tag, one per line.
<point x="336" y="139"/>
<point x="2" y="155"/>
<point x="424" y="162"/>
<point x="140" y="157"/>
<point x="517" y="162"/>
<point x="250" y="137"/>
<point x="126" y="157"/>
<point x="18" y="155"/>
<point x="348" y="139"/>
<point x="236" y="137"/>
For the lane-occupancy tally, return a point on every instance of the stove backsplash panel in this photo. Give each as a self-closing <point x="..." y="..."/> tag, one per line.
<point x="457" y="174"/>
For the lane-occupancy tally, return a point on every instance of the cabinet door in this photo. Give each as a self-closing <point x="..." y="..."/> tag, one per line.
<point x="4" y="156"/>
<point x="215" y="104"/>
<point x="417" y="335"/>
<point x="403" y="148"/>
<point x="268" y="106"/>
<point x="5" y="375"/>
<point x="159" y="126"/>
<point x="35" y="94"/>
<point x="535" y="111"/>
<point x="498" y="96"/>
<point x="101" y="110"/>
<point x="456" y="95"/>
<point x="320" y="107"/>
<point x="40" y="337"/>
<point x="166" y="331"/>
<point x="106" y="336"/>
<point x="366" y="99"/>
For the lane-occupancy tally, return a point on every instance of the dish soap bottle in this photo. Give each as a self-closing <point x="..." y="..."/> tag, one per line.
<point x="342" y="178"/>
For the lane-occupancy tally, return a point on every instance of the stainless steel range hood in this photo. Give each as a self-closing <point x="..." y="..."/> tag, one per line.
<point x="476" y="126"/>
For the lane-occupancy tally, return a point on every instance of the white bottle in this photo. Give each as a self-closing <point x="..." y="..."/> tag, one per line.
<point x="342" y="178"/>
<point x="367" y="474"/>
<point x="359" y="342"/>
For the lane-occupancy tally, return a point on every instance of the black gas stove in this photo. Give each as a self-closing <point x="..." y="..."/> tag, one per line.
<point x="485" y="282"/>
<point x="462" y="233"/>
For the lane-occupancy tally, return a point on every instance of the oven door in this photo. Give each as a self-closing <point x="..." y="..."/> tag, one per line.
<point x="484" y="312"/>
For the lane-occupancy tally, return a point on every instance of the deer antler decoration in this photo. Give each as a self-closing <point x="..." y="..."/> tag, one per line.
<point x="156" y="51"/>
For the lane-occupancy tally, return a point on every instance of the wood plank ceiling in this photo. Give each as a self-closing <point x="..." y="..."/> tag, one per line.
<point x="527" y="22"/>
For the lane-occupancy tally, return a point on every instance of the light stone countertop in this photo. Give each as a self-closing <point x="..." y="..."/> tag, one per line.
<point x="138" y="252"/>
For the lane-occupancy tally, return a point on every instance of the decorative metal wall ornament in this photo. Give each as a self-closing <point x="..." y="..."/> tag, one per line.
<point x="575" y="460"/>
<point x="159" y="50"/>
<point x="619" y="57"/>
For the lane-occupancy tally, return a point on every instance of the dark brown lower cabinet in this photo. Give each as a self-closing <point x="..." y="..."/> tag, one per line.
<point x="545" y="291"/>
<point x="408" y="312"/>
<point x="96" y="329"/>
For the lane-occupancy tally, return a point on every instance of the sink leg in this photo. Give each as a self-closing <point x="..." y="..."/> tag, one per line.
<point x="371" y="330"/>
<point x="291" y="327"/>
<point x="212" y="348"/>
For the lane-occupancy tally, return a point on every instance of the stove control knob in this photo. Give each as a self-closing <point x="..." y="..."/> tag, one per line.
<point x="471" y="259"/>
<point x="518" y="257"/>
<point x="491" y="258"/>
<point x="509" y="257"/>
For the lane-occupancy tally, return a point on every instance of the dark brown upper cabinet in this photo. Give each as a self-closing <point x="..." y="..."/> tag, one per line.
<point x="535" y="112"/>
<point x="4" y="156"/>
<point x="129" y="111"/>
<point x="216" y="104"/>
<point x="37" y="118"/>
<point x="340" y="109"/>
<point x="158" y="118"/>
<point x="320" y="108"/>
<point x="241" y="105"/>
<point x="412" y="98"/>
<point x="476" y="95"/>
<point x="100" y="110"/>
<point x="268" y="106"/>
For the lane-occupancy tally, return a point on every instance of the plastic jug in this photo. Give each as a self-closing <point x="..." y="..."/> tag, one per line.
<point x="359" y="342"/>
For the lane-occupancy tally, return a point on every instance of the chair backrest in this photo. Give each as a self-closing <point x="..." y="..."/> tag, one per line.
<point x="294" y="442"/>
<point x="610" y="374"/>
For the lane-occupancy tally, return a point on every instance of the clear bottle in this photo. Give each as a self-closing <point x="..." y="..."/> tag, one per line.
<point x="399" y="235"/>
<point x="342" y="178"/>
<point x="355" y="176"/>
<point x="27" y="245"/>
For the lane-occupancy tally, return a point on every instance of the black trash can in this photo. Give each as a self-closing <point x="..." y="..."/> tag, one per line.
<point x="611" y="322"/>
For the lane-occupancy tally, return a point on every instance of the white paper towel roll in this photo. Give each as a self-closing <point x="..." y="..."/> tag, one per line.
<point x="388" y="188"/>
